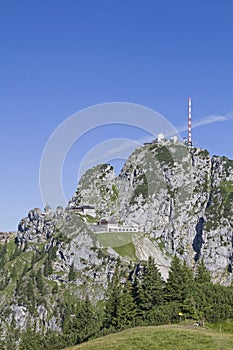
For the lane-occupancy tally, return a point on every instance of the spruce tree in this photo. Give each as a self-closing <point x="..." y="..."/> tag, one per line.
<point x="48" y="268"/>
<point x="202" y="274"/>
<point x="3" y="255"/>
<point x="72" y="274"/>
<point x="55" y="289"/>
<point x="150" y="293"/>
<point x="39" y="281"/>
<point x="25" y="269"/>
<point x="86" y="324"/>
<point x="126" y="308"/>
<point x="111" y="305"/>
<point x="13" y="272"/>
<point x="136" y="291"/>
<point x="66" y="319"/>
<point x="52" y="252"/>
<point x="30" y="292"/>
<point x="179" y="283"/>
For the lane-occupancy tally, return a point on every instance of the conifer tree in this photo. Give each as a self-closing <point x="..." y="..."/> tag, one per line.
<point x="3" y="253"/>
<point x="30" y="292"/>
<point x="32" y="275"/>
<point x="150" y="293"/>
<point x="66" y="318"/>
<point x="55" y="289"/>
<point x="111" y="304"/>
<point x="136" y="291"/>
<point x="19" y="289"/>
<point x="4" y="278"/>
<point x="48" y="268"/>
<point x="202" y="274"/>
<point x="72" y="274"/>
<point x="39" y="281"/>
<point x="203" y="292"/>
<point x="52" y="252"/>
<point x="25" y="270"/>
<point x="13" y="272"/>
<point x="126" y="308"/>
<point x="179" y="283"/>
<point x="86" y="322"/>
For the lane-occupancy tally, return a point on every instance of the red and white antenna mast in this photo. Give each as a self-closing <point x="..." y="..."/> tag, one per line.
<point x="190" y="122"/>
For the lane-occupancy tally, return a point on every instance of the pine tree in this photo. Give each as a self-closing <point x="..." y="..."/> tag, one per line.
<point x="86" y="324"/>
<point x="72" y="274"/>
<point x="39" y="281"/>
<point x="25" y="270"/>
<point x="3" y="255"/>
<point x="31" y="340"/>
<point x="19" y="289"/>
<point x="48" y="268"/>
<point x="179" y="283"/>
<point x="30" y="292"/>
<point x="55" y="289"/>
<point x="150" y="293"/>
<point x="32" y="275"/>
<point x="52" y="252"/>
<point x="136" y="291"/>
<point x="66" y="318"/>
<point x="4" y="278"/>
<point x="126" y="308"/>
<point x="202" y="274"/>
<point x="111" y="304"/>
<point x="13" y="272"/>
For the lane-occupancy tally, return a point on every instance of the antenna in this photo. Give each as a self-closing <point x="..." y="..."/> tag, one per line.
<point x="189" y="122"/>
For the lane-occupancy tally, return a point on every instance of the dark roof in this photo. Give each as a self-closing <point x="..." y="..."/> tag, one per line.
<point x="84" y="207"/>
<point x="103" y="222"/>
<point x="111" y="220"/>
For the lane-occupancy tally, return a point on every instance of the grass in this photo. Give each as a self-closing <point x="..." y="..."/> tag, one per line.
<point x="179" y="337"/>
<point x="127" y="251"/>
<point x="91" y="219"/>
<point x="121" y="242"/>
<point x="116" y="239"/>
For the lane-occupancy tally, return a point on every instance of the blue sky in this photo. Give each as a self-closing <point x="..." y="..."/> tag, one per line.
<point x="60" y="56"/>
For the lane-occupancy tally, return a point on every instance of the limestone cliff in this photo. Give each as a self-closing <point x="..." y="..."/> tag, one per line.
<point x="181" y="197"/>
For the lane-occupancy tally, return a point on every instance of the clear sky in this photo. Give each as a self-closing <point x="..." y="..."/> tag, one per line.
<point x="60" y="56"/>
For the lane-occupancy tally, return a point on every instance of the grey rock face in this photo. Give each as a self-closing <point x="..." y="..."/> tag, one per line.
<point x="39" y="226"/>
<point x="182" y="198"/>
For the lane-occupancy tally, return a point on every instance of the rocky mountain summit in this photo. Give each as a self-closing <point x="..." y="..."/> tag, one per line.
<point x="182" y="198"/>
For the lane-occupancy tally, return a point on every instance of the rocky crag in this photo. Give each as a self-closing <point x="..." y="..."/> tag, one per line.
<point x="182" y="198"/>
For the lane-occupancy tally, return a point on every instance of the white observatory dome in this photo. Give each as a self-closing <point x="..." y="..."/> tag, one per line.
<point x="160" y="137"/>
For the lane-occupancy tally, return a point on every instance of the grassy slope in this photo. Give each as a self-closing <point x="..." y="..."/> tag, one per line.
<point x="121" y="242"/>
<point x="162" y="338"/>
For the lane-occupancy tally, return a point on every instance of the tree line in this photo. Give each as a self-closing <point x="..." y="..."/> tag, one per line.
<point x="138" y="299"/>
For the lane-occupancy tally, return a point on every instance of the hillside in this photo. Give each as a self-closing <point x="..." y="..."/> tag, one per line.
<point x="161" y="338"/>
